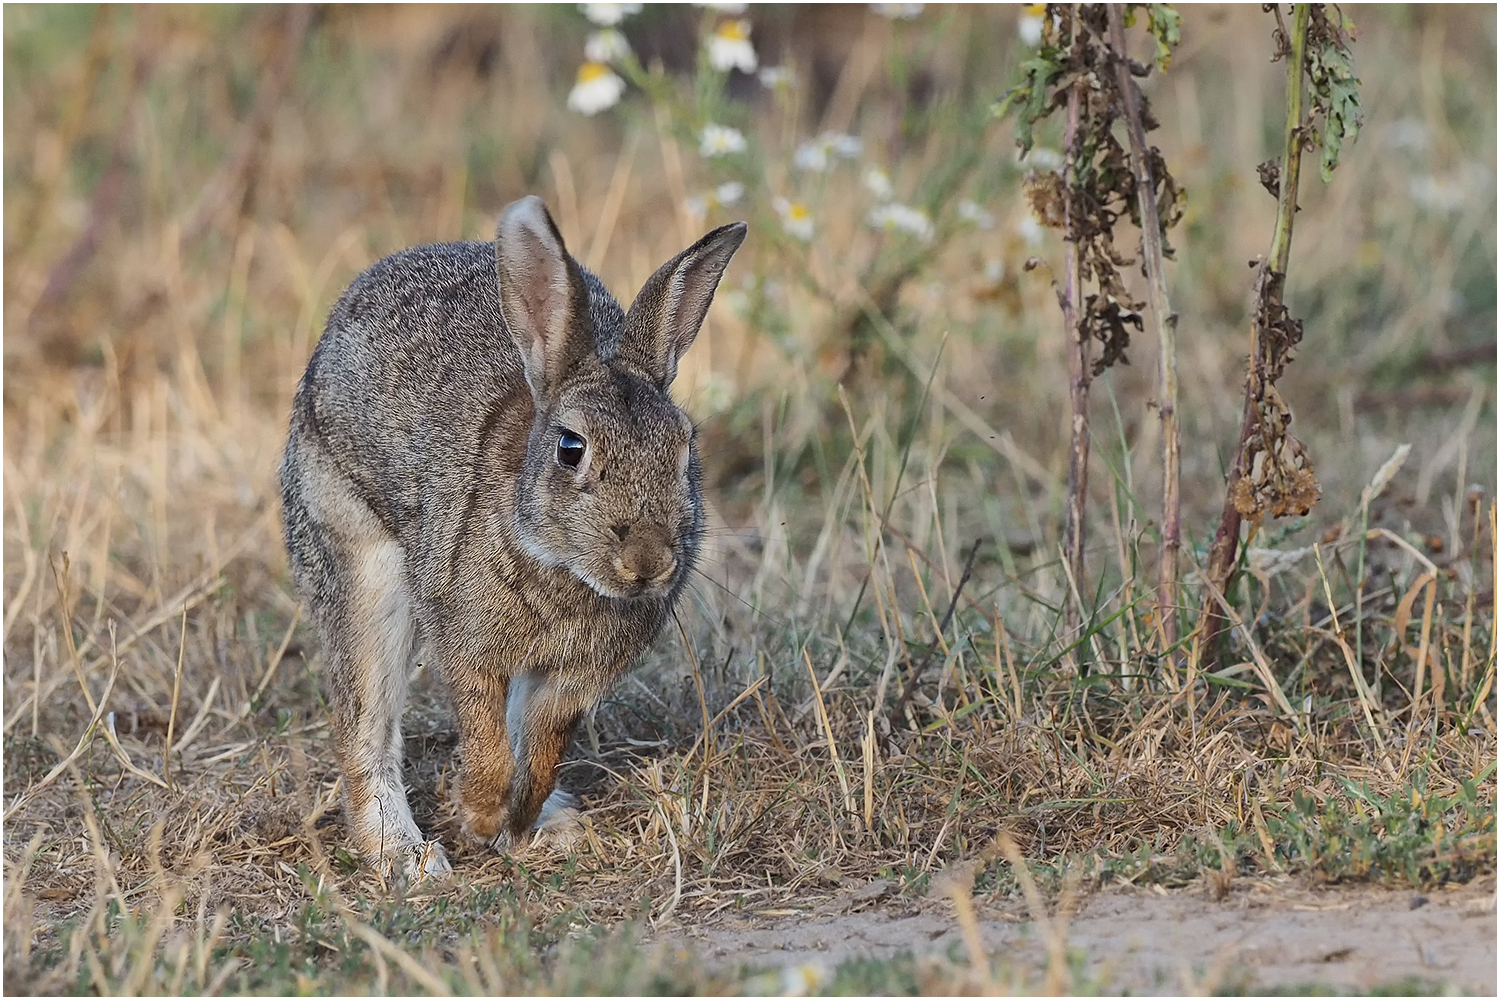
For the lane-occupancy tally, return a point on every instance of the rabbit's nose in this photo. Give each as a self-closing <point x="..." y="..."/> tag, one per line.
<point x="645" y="556"/>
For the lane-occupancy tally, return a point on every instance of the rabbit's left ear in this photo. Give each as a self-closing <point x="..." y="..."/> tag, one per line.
<point x="665" y="317"/>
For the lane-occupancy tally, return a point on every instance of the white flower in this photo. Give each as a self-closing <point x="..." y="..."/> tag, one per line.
<point x="805" y="979"/>
<point x="1449" y="192"/>
<point x="715" y="393"/>
<point x="795" y="218"/>
<point x="777" y="77"/>
<point x="1441" y="194"/>
<point x="1407" y="134"/>
<point x="1042" y="158"/>
<point x="897" y="11"/>
<point x="725" y="8"/>
<point x="994" y="270"/>
<point x="729" y="48"/>
<point x="814" y="153"/>
<point x="847" y="146"/>
<point x="1030" y="229"/>
<point x="597" y="88"/>
<point x="609" y="14"/>
<point x="879" y="183"/>
<point x="974" y="213"/>
<point x="720" y="140"/>
<point x="1029" y="27"/>
<point x="606" y="46"/>
<point x="726" y="194"/>
<point x="895" y="217"/>
<point x="811" y="155"/>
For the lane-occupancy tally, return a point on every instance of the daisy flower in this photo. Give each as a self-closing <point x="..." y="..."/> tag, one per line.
<point x="897" y="11"/>
<point x="878" y="182"/>
<point x="811" y="155"/>
<point x="1031" y="230"/>
<point x="814" y="154"/>
<point x="1029" y="26"/>
<point x="1042" y="158"/>
<point x="609" y="14"/>
<point x="606" y="46"/>
<point x="847" y="146"/>
<point x="729" y="193"/>
<point x="720" y="140"/>
<point x="795" y="218"/>
<point x="777" y="77"/>
<point x="975" y="214"/>
<point x="729" y="47"/>
<point x="895" y="217"/>
<point x="726" y="194"/>
<point x="597" y="88"/>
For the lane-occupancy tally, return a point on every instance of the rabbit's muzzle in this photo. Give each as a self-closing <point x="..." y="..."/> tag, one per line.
<point x="645" y="559"/>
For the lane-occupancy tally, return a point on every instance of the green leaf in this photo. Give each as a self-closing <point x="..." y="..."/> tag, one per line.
<point x="1165" y="25"/>
<point x="1030" y="96"/>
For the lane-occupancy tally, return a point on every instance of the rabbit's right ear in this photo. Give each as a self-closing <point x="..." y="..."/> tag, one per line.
<point x="543" y="299"/>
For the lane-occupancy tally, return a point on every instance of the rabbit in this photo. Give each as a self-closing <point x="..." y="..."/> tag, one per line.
<point x="484" y="460"/>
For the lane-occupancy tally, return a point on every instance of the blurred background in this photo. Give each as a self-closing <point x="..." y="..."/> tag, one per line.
<point x="187" y="190"/>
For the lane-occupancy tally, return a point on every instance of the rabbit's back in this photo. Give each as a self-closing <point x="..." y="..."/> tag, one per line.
<point x="413" y="372"/>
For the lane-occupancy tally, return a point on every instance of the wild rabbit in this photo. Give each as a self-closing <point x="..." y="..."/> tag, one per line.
<point x="484" y="457"/>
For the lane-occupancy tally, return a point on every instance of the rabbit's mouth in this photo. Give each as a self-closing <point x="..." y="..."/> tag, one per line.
<point x="622" y="582"/>
<point x="660" y="581"/>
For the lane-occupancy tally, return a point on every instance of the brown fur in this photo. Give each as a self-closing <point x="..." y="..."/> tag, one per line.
<point x="426" y="500"/>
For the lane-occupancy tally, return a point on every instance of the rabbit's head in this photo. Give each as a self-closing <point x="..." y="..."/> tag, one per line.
<point x="610" y="484"/>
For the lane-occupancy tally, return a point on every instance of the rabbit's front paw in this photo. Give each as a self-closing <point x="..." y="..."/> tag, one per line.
<point x="559" y="824"/>
<point x="489" y="829"/>
<point x="415" y="862"/>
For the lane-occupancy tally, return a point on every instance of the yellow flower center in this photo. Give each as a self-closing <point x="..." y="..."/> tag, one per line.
<point x="797" y="211"/>
<point x="591" y="71"/>
<point x="734" y="31"/>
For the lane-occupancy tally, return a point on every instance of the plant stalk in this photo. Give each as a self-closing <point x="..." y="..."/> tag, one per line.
<point x="1166" y="335"/>
<point x="1269" y="288"/>
<point x="1078" y="365"/>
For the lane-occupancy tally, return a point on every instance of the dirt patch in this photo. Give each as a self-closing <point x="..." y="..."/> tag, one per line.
<point x="1262" y="935"/>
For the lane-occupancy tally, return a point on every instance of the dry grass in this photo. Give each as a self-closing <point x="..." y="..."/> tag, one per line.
<point x="170" y="798"/>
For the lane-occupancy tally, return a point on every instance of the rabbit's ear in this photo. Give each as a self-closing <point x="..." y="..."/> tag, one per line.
<point x="543" y="299"/>
<point x="664" y="319"/>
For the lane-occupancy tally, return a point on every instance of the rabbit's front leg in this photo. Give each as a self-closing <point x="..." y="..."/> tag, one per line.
<point x="541" y="714"/>
<point x="487" y="763"/>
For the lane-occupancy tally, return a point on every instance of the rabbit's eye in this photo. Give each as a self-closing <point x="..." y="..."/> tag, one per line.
<point x="569" y="449"/>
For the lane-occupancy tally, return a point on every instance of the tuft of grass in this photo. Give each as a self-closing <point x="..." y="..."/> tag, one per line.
<point x="1408" y="837"/>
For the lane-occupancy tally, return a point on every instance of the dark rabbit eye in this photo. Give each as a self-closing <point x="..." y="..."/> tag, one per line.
<point x="569" y="449"/>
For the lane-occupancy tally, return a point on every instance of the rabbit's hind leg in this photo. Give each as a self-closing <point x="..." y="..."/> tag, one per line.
<point x="353" y="575"/>
<point x="370" y="743"/>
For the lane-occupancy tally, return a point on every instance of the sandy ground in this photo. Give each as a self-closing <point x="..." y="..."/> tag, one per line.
<point x="1260" y="935"/>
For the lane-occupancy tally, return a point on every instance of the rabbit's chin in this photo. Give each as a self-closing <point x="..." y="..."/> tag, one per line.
<point x="619" y="590"/>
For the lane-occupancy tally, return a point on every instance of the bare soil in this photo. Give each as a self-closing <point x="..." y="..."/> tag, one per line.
<point x="1261" y="935"/>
